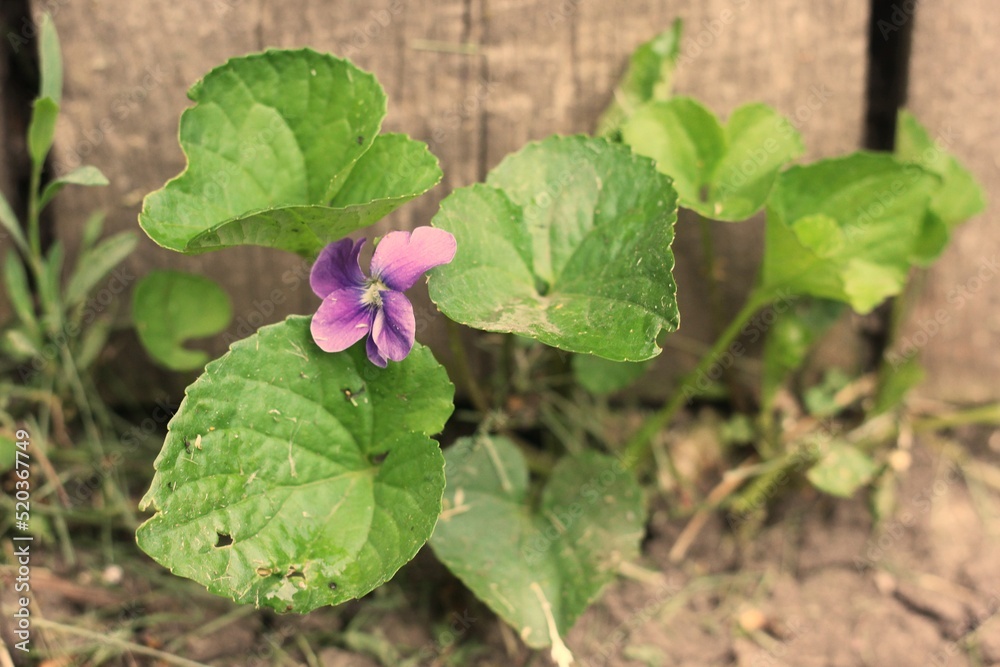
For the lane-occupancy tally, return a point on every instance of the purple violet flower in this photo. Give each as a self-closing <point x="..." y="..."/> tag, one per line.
<point x="354" y="305"/>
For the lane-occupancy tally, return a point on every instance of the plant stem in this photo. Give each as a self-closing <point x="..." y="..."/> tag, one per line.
<point x="34" y="224"/>
<point x="985" y="414"/>
<point x="464" y="369"/>
<point x="638" y="445"/>
<point x="709" y="269"/>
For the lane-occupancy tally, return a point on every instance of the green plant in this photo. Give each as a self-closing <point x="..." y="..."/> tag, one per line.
<point x="301" y="471"/>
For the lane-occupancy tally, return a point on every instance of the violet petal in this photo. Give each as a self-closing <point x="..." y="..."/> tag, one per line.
<point x="374" y="355"/>
<point x="337" y="268"/>
<point x="342" y="320"/>
<point x="394" y="326"/>
<point x="402" y="257"/>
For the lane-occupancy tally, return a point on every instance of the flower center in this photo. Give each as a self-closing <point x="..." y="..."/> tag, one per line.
<point x="372" y="297"/>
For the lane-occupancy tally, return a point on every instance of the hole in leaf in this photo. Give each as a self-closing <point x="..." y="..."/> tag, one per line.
<point x="295" y="573"/>
<point x="332" y="585"/>
<point x="541" y="286"/>
<point x="224" y="540"/>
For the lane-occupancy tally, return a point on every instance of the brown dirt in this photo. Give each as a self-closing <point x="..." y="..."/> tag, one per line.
<point x="818" y="586"/>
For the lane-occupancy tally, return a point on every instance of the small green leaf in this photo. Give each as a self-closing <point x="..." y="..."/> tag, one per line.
<point x="96" y="263"/>
<point x="42" y="130"/>
<point x="842" y="471"/>
<point x="722" y="173"/>
<point x="959" y="196"/>
<point x="11" y="224"/>
<point x="845" y="228"/>
<point x="171" y="307"/>
<point x="50" y="59"/>
<point x="284" y="151"/>
<point x="16" y="282"/>
<point x="49" y="288"/>
<point x="93" y="341"/>
<point x="292" y="478"/>
<point x="86" y="175"/>
<point x="92" y="230"/>
<point x="650" y="76"/>
<point x="601" y="376"/>
<point x="569" y="244"/>
<point x="537" y="569"/>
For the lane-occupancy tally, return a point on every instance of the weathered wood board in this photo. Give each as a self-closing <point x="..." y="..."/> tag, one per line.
<point x="954" y="89"/>
<point x="475" y="79"/>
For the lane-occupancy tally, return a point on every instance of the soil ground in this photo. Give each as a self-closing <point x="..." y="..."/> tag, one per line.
<point x="818" y="586"/>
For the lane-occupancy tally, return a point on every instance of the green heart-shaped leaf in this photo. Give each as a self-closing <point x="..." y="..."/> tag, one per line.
<point x="845" y="228"/>
<point x="283" y="151"/>
<point x="723" y="173"/>
<point x="569" y="244"/>
<point x="958" y="198"/>
<point x="292" y="478"/>
<point x="540" y="568"/>
<point x="170" y="308"/>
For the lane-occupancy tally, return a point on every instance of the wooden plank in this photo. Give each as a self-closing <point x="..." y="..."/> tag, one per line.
<point x="476" y="79"/>
<point x="953" y="91"/>
<point x="129" y="66"/>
